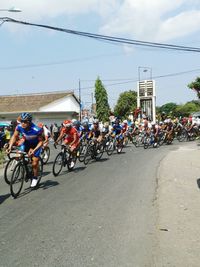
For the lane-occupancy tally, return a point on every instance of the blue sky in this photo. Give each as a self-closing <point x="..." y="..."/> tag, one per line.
<point x="39" y="60"/>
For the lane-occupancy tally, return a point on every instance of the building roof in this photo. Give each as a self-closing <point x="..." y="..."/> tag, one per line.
<point x="30" y="102"/>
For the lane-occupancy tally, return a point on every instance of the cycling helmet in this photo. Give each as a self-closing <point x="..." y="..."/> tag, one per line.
<point x="85" y="124"/>
<point x="153" y="124"/>
<point x="26" y="116"/>
<point x="67" y="123"/>
<point x="117" y="120"/>
<point x="76" y="123"/>
<point x="96" y="121"/>
<point x="125" y="121"/>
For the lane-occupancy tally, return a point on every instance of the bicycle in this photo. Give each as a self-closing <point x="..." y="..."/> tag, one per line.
<point x="94" y="151"/>
<point x="108" y="144"/>
<point x="63" y="158"/>
<point x="23" y="172"/>
<point x="118" y="143"/>
<point x="10" y="165"/>
<point x="82" y="149"/>
<point x="45" y="154"/>
<point x="149" y="140"/>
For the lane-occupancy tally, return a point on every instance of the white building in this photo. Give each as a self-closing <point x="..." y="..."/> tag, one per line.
<point x="45" y="107"/>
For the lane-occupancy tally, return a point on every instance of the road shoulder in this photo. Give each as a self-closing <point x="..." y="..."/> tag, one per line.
<point x="178" y="200"/>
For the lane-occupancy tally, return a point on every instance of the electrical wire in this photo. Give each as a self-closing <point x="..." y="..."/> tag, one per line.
<point x="108" y="38"/>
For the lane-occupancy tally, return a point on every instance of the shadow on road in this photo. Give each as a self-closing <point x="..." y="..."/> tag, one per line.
<point x="43" y="185"/>
<point x="47" y="184"/>
<point x="45" y="173"/>
<point x="78" y="169"/>
<point x="198" y="183"/>
<point x="3" y="198"/>
<point x="25" y="192"/>
<point x="122" y="152"/>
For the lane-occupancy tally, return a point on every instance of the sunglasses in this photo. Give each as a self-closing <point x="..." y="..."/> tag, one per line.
<point x="24" y="121"/>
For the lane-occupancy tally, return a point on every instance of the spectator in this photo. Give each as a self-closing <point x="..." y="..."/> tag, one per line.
<point x="51" y="128"/>
<point x="7" y="132"/>
<point x="55" y="132"/>
<point x="2" y="138"/>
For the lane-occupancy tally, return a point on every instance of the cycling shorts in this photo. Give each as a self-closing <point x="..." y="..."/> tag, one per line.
<point x="27" y="146"/>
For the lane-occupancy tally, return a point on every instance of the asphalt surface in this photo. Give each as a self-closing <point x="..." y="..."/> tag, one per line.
<point x="104" y="214"/>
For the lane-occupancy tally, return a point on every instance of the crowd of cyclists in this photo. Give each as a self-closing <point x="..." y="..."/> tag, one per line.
<point x="86" y="140"/>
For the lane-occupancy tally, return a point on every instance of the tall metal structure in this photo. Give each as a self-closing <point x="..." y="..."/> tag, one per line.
<point x="146" y="98"/>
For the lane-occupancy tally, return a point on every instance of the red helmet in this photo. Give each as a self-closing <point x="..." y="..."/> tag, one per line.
<point x="67" y="123"/>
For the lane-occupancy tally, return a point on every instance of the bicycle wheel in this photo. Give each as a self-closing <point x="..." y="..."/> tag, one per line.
<point x="125" y="143"/>
<point x="161" y="140"/>
<point x="17" y="179"/>
<point x="58" y="164"/>
<point x="8" y="171"/>
<point x="119" y="148"/>
<point x="147" y="142"/>
<point x="82" y="152"/>
<point x="71" y="162"/>
<point x="45" y="154"/>
<point x="88" y="155"/>
<point x="110" y="148"/>
<point x="40" y="170"/>
<point x="99" y="151"/>
<point x="183" y="136"/>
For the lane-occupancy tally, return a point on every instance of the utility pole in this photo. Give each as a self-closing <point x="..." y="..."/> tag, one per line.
<point x="80" y="110"/>
<point x="92" y="103"/>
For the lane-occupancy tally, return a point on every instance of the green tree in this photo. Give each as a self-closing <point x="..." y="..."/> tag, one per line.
<point x="168" y="108"/>
<point x="127" y="102"/>
<point x="195" y="85"/>
<point x="102" y="106"/>
<point x="186" y="109"/>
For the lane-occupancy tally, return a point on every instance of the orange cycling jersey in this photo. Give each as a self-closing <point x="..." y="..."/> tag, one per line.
<point x="70" y="135"/>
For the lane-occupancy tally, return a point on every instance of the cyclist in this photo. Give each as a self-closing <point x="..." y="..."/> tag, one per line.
<point x="155" y="129"/>
<point x="46" y="133"/>
<point x="77" y="125"/>
<point x="69" y="135"/>
<point x="32" y="142"/>
<point x="95" y="132"/>
<point x="117" y="130"/>
<point x="169" y="130"/>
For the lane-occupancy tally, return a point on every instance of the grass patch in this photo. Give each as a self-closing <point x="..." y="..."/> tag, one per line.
<point x="2" y="158"/>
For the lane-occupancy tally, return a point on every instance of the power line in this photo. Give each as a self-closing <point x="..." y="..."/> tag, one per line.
<point x="56" y="62"/>
<point x="126" y="81"/>
<point x="107" y="38"/>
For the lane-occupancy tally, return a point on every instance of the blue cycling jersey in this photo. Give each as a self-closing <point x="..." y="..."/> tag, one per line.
<point x="117" y="128"/>
<point x="31" y="135"/>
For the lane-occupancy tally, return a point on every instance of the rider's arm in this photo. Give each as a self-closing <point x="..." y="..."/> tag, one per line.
<point x="62" y="133"/>
<point x="40" y="143"/>
<point x="13" y="140"/>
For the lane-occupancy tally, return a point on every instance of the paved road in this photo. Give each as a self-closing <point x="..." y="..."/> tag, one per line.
<point x="100" y="215"/>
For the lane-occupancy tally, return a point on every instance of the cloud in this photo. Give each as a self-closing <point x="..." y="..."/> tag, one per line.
<point x="152" y="20"/>
<point x="181" y="25"/>
<point x="155" y="20"/>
